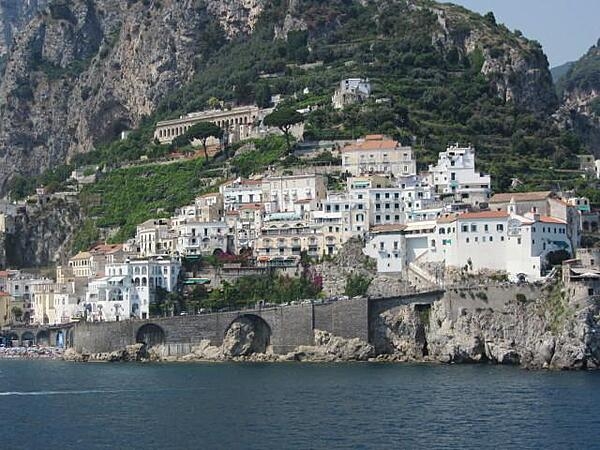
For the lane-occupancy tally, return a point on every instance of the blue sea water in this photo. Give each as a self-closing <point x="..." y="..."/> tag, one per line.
<point x="57" y="405"/>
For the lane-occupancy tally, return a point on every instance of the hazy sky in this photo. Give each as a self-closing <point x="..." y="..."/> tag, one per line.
<point x="565" y="28"/>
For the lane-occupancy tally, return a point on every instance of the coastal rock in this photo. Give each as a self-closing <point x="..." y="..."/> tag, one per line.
<point x="329" y="348"/>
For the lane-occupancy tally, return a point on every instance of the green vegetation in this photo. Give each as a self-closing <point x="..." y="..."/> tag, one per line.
<point x="200" y="131"/>
<point x="284" y="119"/>
<point x="584" y="74"/>
<point x="127" y="197"/>
<point x="357" y="284"/>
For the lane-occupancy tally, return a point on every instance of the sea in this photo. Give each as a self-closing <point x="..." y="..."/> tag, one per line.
<point x="59" y="405"/>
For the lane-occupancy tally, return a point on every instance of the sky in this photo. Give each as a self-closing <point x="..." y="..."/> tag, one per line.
<point x="565" y="28"/>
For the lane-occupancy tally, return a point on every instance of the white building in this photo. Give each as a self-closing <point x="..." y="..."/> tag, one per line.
<point x="202" y="238"/>
<point x="351" y="90"/>
<point x="376" y="154"/>
<point x="129" y="288"/>
<point x="294" y="193"/>
<point x="455" y="175"/>
<point x="502" y="241"/>
<point x="240" y="192"/>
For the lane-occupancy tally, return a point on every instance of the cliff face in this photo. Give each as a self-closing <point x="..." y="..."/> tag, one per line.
<point x="14" y="15"/>
<point x="527" y="327"/>
<point x="517" y="67"/>
<point x="580" y="99"/>
<point x="84" y="70"/>
<point x="41" y="236"/>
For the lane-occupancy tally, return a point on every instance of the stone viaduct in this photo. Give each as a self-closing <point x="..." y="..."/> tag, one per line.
<point x="48" y="336"/>
<point x="287" y="327"/>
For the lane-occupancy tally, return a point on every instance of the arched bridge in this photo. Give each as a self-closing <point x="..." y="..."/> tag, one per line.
<point x="43" y="336"/>
<point x="283" y="328"/>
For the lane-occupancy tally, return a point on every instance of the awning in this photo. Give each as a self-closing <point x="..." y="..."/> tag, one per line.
<point x="196" y="281"/>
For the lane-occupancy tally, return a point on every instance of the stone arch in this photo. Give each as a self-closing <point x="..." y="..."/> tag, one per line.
<point x="12" y="337"/>
<point x="150" y="334"/>
<point x="43" y="338"/>
<point x="60" y="339"/>
<point x="247" y="334"/>
<point x="27" y="339"/>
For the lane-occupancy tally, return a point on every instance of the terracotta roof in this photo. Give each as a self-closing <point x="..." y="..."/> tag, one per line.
<point x="254" y="206"/>
<point x="81" y="255"/>
<point x="374" y="137"/>
<point x="548" y="219"/>
<point x="106" y="248"/>
<point x="506" y="197"/>
<point x="372" y="145"/>
<point x="483" y="215"/>
<point x="449" y="218"/>
<point x="388" y="228"/>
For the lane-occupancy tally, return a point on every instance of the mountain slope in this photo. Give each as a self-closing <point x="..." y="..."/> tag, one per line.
<point x="87" y="69"/>
<point x="579" y="89"/>
<point x="560" y="71"/>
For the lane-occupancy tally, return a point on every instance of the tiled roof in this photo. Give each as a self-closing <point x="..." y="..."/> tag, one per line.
<point x="371" y="145"/>
<point x="506" y="197"/>
<point x="548" y="219"/>
<point x="483" y="215"/>
<point x="388" y="228"/>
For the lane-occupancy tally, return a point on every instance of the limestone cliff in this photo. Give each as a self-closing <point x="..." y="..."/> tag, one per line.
<point x="579" y="89"/>
<point x="516" y="67"/>
<point x="83" y="70"/>
<point x="14" y="15"/>
<point x="42" y="234"/>
<point x="533" y="328"/>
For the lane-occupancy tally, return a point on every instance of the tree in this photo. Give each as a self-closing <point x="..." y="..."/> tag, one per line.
<point x="17" y="312"/>
<point x="356" y="285"/>
<point x="202" y="131"/>
<point x="284" y="119"/>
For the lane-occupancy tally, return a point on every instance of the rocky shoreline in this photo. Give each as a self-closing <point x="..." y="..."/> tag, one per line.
<point x="31" y="353"/>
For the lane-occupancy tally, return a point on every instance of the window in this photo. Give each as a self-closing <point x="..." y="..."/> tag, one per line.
<point x="378" y="219"/>
<point x="395" y="245"/>
<point x="491" y="238"/>
<point x="590" y="291"/>
<point x="442" y="231"/>
<point x="387" y="217"/>
<point x="519" y="241"/>
<point x="377" y="196"/>
<point x="381" y="246"/>
<point x="467" y="240"/>
<point x="501" y="238"/>
<point x="465" y="229"/>
<point x="486" y="227"/>
<point x="387" y="195"/>
<point x="499" y="227"/>
<point x="473" y="227"/>
<point x="397" y="218"/>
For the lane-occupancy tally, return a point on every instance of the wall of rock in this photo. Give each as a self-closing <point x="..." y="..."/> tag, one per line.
<point x="533" y="327"/>
<point x="41" y="235"/>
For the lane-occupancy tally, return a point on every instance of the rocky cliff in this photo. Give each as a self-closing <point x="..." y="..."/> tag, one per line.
<point x="516" y="67"/>
<point x="83" y="70"/>
<point x="579" y="89"/>
<point x="531" y="327"/>
<point x="14" y="15"/>
<point x="41" y="235"/>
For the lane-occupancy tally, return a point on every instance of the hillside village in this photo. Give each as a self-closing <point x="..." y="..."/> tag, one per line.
<point x="423" y="228"/>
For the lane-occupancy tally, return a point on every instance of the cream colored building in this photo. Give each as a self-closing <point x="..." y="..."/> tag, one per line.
<point x="294" y="193"/>
<point x="284" y="236"/>
<point x="376" y="154"/>
<point x="238" y="122"/>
